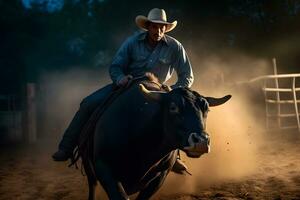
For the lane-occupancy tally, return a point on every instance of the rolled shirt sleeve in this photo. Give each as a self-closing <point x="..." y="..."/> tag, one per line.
<point x="183" y="69"/>
<point x="120" y="62"/>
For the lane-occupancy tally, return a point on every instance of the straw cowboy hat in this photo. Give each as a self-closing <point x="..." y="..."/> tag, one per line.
<point x="155" y="15"/>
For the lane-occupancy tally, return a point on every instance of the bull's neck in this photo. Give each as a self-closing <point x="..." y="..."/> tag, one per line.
<point x="158" y="146"/>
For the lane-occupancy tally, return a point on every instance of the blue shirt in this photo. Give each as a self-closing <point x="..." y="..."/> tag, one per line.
<point x="136" y="57"/>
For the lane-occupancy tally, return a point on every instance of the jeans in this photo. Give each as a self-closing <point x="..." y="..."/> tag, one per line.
<point x="87" y="106"/>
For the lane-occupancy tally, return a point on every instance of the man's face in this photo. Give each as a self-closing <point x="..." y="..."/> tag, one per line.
<point x="156" y="31"/>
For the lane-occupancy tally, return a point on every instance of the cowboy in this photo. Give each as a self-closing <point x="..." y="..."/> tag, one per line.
<point x="149" y="51"/>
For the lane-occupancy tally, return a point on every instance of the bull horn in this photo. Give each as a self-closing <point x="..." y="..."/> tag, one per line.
<point x="151" y="95"/>
<point x="217" y="101"/>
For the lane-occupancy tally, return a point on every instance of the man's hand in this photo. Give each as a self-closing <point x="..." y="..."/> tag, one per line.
<point x="124" y="80"/>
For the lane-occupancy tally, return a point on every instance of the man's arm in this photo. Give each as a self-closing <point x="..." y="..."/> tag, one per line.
<point x="183" y="69"/>
<point x="120" y="62"/>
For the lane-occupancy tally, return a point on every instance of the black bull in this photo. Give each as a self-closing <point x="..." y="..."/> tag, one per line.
<point x="137" y="137"/>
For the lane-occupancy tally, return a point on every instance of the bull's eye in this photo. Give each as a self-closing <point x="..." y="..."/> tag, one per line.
<point x="173" y="108"/>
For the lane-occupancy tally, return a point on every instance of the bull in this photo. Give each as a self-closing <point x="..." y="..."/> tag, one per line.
<point x="137" y="138"/>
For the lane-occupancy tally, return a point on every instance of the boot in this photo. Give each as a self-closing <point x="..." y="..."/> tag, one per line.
<point x="61" y="155"/>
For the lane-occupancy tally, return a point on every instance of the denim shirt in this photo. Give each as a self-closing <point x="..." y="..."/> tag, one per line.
<point x="136" y="57"/>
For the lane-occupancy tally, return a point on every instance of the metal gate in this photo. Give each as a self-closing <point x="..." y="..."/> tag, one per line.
<point x="276" y="99"/>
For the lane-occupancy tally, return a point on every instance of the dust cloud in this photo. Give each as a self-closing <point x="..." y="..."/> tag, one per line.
<point x="60" y="94"/>
<point x="233" y="128"/>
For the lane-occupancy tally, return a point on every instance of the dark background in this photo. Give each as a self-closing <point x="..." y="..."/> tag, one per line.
<point x="87" y="33"/>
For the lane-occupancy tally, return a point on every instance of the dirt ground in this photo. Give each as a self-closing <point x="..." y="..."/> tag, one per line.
<point x="27" y="172"/>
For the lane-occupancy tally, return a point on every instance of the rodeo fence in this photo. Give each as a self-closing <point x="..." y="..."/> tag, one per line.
<point x="10" y="118"/>
<point x="274" y="97"/>
<point x="18" y="122"/>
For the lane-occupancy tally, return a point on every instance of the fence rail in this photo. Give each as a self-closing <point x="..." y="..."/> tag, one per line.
<point x="293" y="89"/>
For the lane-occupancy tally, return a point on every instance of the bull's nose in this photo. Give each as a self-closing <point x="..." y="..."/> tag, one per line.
<point x="195" y="138"/>
<point x="206" y="136"/>
<point x="198" y="144"/>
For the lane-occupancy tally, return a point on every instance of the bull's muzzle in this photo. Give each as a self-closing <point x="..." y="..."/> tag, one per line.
<point x="198" y="144"/>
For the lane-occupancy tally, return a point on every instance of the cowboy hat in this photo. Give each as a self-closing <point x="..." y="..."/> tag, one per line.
<point x="155" y="15"/>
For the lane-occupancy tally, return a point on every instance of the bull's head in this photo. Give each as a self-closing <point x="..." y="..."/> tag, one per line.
<point x="185" y="113"/>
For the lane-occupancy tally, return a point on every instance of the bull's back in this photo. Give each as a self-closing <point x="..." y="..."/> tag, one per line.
<point x="123" y="119"/>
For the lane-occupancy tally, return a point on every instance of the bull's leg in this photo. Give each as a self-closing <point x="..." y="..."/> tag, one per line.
<point x="91" y="178"/>
<point x="112" y="187"/>
<point x="155" y="178"/>
<point x="153" y="186"/>
<point x="92" y="186"/>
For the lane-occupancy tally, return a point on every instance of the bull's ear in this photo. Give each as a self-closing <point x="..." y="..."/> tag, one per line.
<point x="151" y="95"/>
<point x="217" y="101"/>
